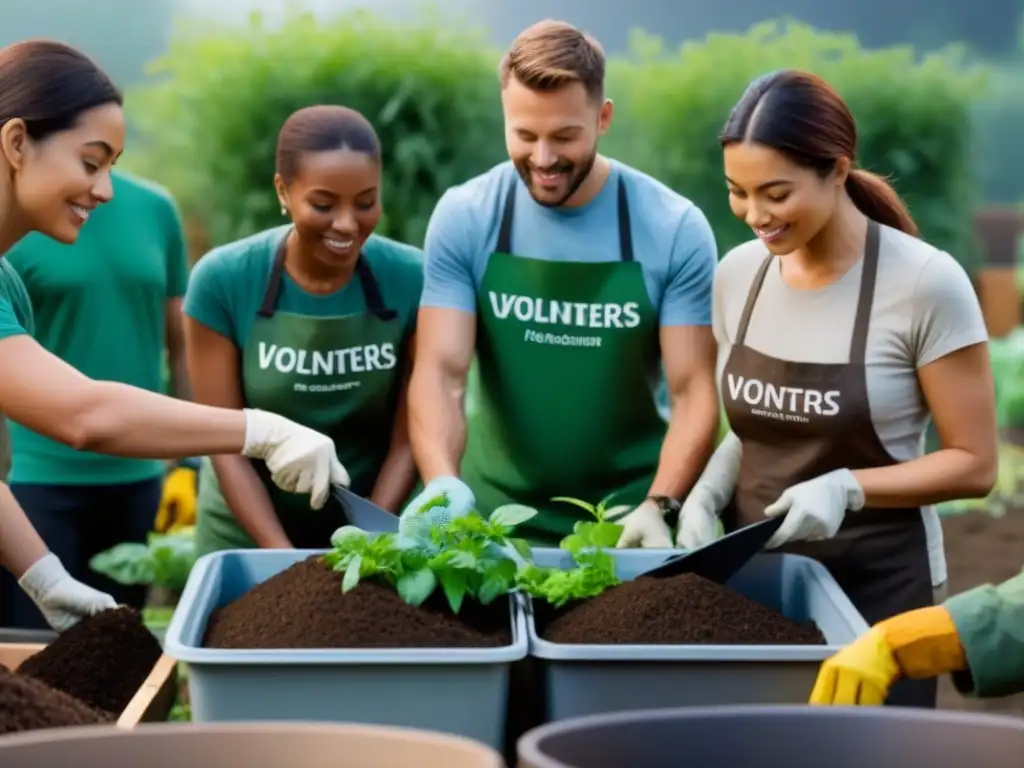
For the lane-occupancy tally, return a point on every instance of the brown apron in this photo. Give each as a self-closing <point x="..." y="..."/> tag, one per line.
<point x="797" y="421"/>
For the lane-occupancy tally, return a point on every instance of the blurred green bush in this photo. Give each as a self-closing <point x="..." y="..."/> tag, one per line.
<point x="209" y="123"/>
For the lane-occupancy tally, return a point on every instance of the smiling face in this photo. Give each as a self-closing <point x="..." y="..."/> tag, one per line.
<point x="786" y="204"/>
<point x="59" y="180"/>
<point x="552" y="137"/>
<point x="334" y="202"/>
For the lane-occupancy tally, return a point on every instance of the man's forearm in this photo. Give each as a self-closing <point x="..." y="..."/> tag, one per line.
<point x="688" y="443"/>
<point x="437" y="423"/>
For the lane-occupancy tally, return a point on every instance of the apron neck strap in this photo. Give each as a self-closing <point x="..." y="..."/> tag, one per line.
<point x="504" y="244"/>
<point x="865" y="299"/>
<point x="371" y="288"/>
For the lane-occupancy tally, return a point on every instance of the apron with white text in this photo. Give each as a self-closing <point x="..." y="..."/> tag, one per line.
<point x="338" y="375"/>
<point x="797" y="421"/>
<point x="568" y="359"/>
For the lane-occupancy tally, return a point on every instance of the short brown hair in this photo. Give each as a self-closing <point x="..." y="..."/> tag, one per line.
<point x="552" y="54"/>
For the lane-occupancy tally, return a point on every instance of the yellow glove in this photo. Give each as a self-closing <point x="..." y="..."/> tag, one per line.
<point x="178" y="503"/>
<point x="917" y="644"/>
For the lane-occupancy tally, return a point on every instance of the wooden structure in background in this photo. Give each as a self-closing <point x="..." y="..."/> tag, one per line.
<point x="999" y="231"/>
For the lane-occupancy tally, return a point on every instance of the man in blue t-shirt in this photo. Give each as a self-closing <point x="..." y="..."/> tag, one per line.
<point x="574" y="280"/>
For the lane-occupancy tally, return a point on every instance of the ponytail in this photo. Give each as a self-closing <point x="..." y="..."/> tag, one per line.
<point x="877" y="200"/>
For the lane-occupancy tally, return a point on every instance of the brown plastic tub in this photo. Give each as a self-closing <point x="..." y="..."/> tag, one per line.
<point x="253" y="745"/>
<point x="767" y="737"/>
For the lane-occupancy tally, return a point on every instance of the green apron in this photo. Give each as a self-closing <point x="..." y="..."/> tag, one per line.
<point x="338" y="375"/>
<point x="568" y="359"/>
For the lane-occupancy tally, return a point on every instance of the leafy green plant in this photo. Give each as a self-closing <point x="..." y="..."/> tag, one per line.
<point x="599" y="532"/>
<point x="469" y="557"/>
<point x="165" y="560"/>
<point x="466" y="556"/>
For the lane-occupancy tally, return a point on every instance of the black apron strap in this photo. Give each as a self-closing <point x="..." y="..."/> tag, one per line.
<point x="504" y="244"/>
<point x="869" y="274"/>
<point x="625" y="231"/>
<point x="748" y="308"/>
<point x="371" y="291"/>
<point x="371" y="288"/>
<point x="269" y="304"/>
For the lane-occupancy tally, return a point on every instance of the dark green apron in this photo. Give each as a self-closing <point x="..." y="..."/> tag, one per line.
<point x="568" y="360"/>
<point x="338" y="375"/>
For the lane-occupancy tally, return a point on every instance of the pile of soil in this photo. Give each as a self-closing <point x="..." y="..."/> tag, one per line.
<point x="101" y="661"/>
<point x="26" y="704"/>
<point x="981" y="549"/>
<point x="304" y="607"/>
<point x="680" y="610"/>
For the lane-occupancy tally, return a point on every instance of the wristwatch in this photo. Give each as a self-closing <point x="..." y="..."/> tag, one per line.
<point x="666" y="504"/>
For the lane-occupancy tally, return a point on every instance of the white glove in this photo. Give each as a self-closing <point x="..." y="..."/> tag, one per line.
<point x="698" y="518"/>
<point x="645" y="527"/>
<point x="815" y="509"/>
<point x="459" y="501"/>
<point x="63" y="601"/>
<point x="300" y="459"/>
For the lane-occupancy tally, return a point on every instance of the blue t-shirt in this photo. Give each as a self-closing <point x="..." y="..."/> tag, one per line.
<point x="672" y="240"/>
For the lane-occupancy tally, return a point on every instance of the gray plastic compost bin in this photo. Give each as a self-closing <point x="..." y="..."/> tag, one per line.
<point x="263" y="745"/>
<point x="773" y="737"/>
<point x="455" y="690"/>
<point x="588" y="679"/>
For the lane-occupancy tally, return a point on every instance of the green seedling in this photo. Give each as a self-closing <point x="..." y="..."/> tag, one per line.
<point x="599" y="532"/>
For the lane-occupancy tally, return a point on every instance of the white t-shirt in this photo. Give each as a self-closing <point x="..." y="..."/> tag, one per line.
<point x="924" y="308"/>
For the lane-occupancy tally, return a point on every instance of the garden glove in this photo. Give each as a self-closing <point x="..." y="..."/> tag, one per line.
<point x="454" y="497"/>
<point x="300" y="460"/>
<point x="917" y="644"/>
<point x="645" y="527"/>
<point x="62" y="600"/>
<point x="815" y="509"/>
<point x="699" y="523"/>
<point x="178" y="503"/>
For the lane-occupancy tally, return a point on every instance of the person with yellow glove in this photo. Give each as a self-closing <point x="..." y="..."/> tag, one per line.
<point x="978" y="636"/>
<point x="178" y="502"/>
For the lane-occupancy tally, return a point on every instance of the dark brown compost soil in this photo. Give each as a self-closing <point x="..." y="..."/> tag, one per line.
<point x="304" y="607"/>
<point x="27" y="704"/>
<point x="102" y="660"/>
<point x="681" y="610"/>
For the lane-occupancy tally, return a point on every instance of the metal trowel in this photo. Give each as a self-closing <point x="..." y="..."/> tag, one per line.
<point x="720" y="559"/>
<point x="363" y="513"/>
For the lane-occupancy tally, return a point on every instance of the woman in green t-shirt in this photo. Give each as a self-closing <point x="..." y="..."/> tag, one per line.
<point x="61" y="131"/>
<point x="314" y="320"/>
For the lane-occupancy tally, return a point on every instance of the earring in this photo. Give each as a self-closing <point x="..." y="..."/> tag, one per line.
<point x="284" y="211"/>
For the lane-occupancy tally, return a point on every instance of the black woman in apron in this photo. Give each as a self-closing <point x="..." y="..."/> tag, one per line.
<point x="313" y="319"/>
<point x="840" y="334"/>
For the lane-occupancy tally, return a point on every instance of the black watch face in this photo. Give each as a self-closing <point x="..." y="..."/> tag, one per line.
<point x="665" y="503"/>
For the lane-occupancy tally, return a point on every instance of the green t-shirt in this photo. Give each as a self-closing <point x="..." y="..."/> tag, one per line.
<point x="100" y="306"/>
<point x="226" y="287"/>
<point x="15" y="306"/>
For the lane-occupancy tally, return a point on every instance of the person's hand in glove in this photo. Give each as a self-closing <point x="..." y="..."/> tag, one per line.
<point x="61" y="599"/>
<point x="300" y="459"/>
<point x="443" y="499"/>
<point x="699" y="523"/>
<point x="917" y="644"/>
<point x="815" y="509"/>
<point x="178" y="502"/>
<point x="645" y="527"/>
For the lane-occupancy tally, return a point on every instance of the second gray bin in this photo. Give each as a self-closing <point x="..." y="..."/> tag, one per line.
<point x="590" y="679"/>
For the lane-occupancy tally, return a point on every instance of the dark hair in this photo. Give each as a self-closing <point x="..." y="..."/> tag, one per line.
<point x="323" y="128"/>
<point x="49" y="85"/>
<point x="551" y="54"/>
<point x="802" y="116"/>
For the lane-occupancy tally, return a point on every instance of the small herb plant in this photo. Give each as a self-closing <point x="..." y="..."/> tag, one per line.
<point x="599" y="532"/>
<point x="469" y="556"/>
